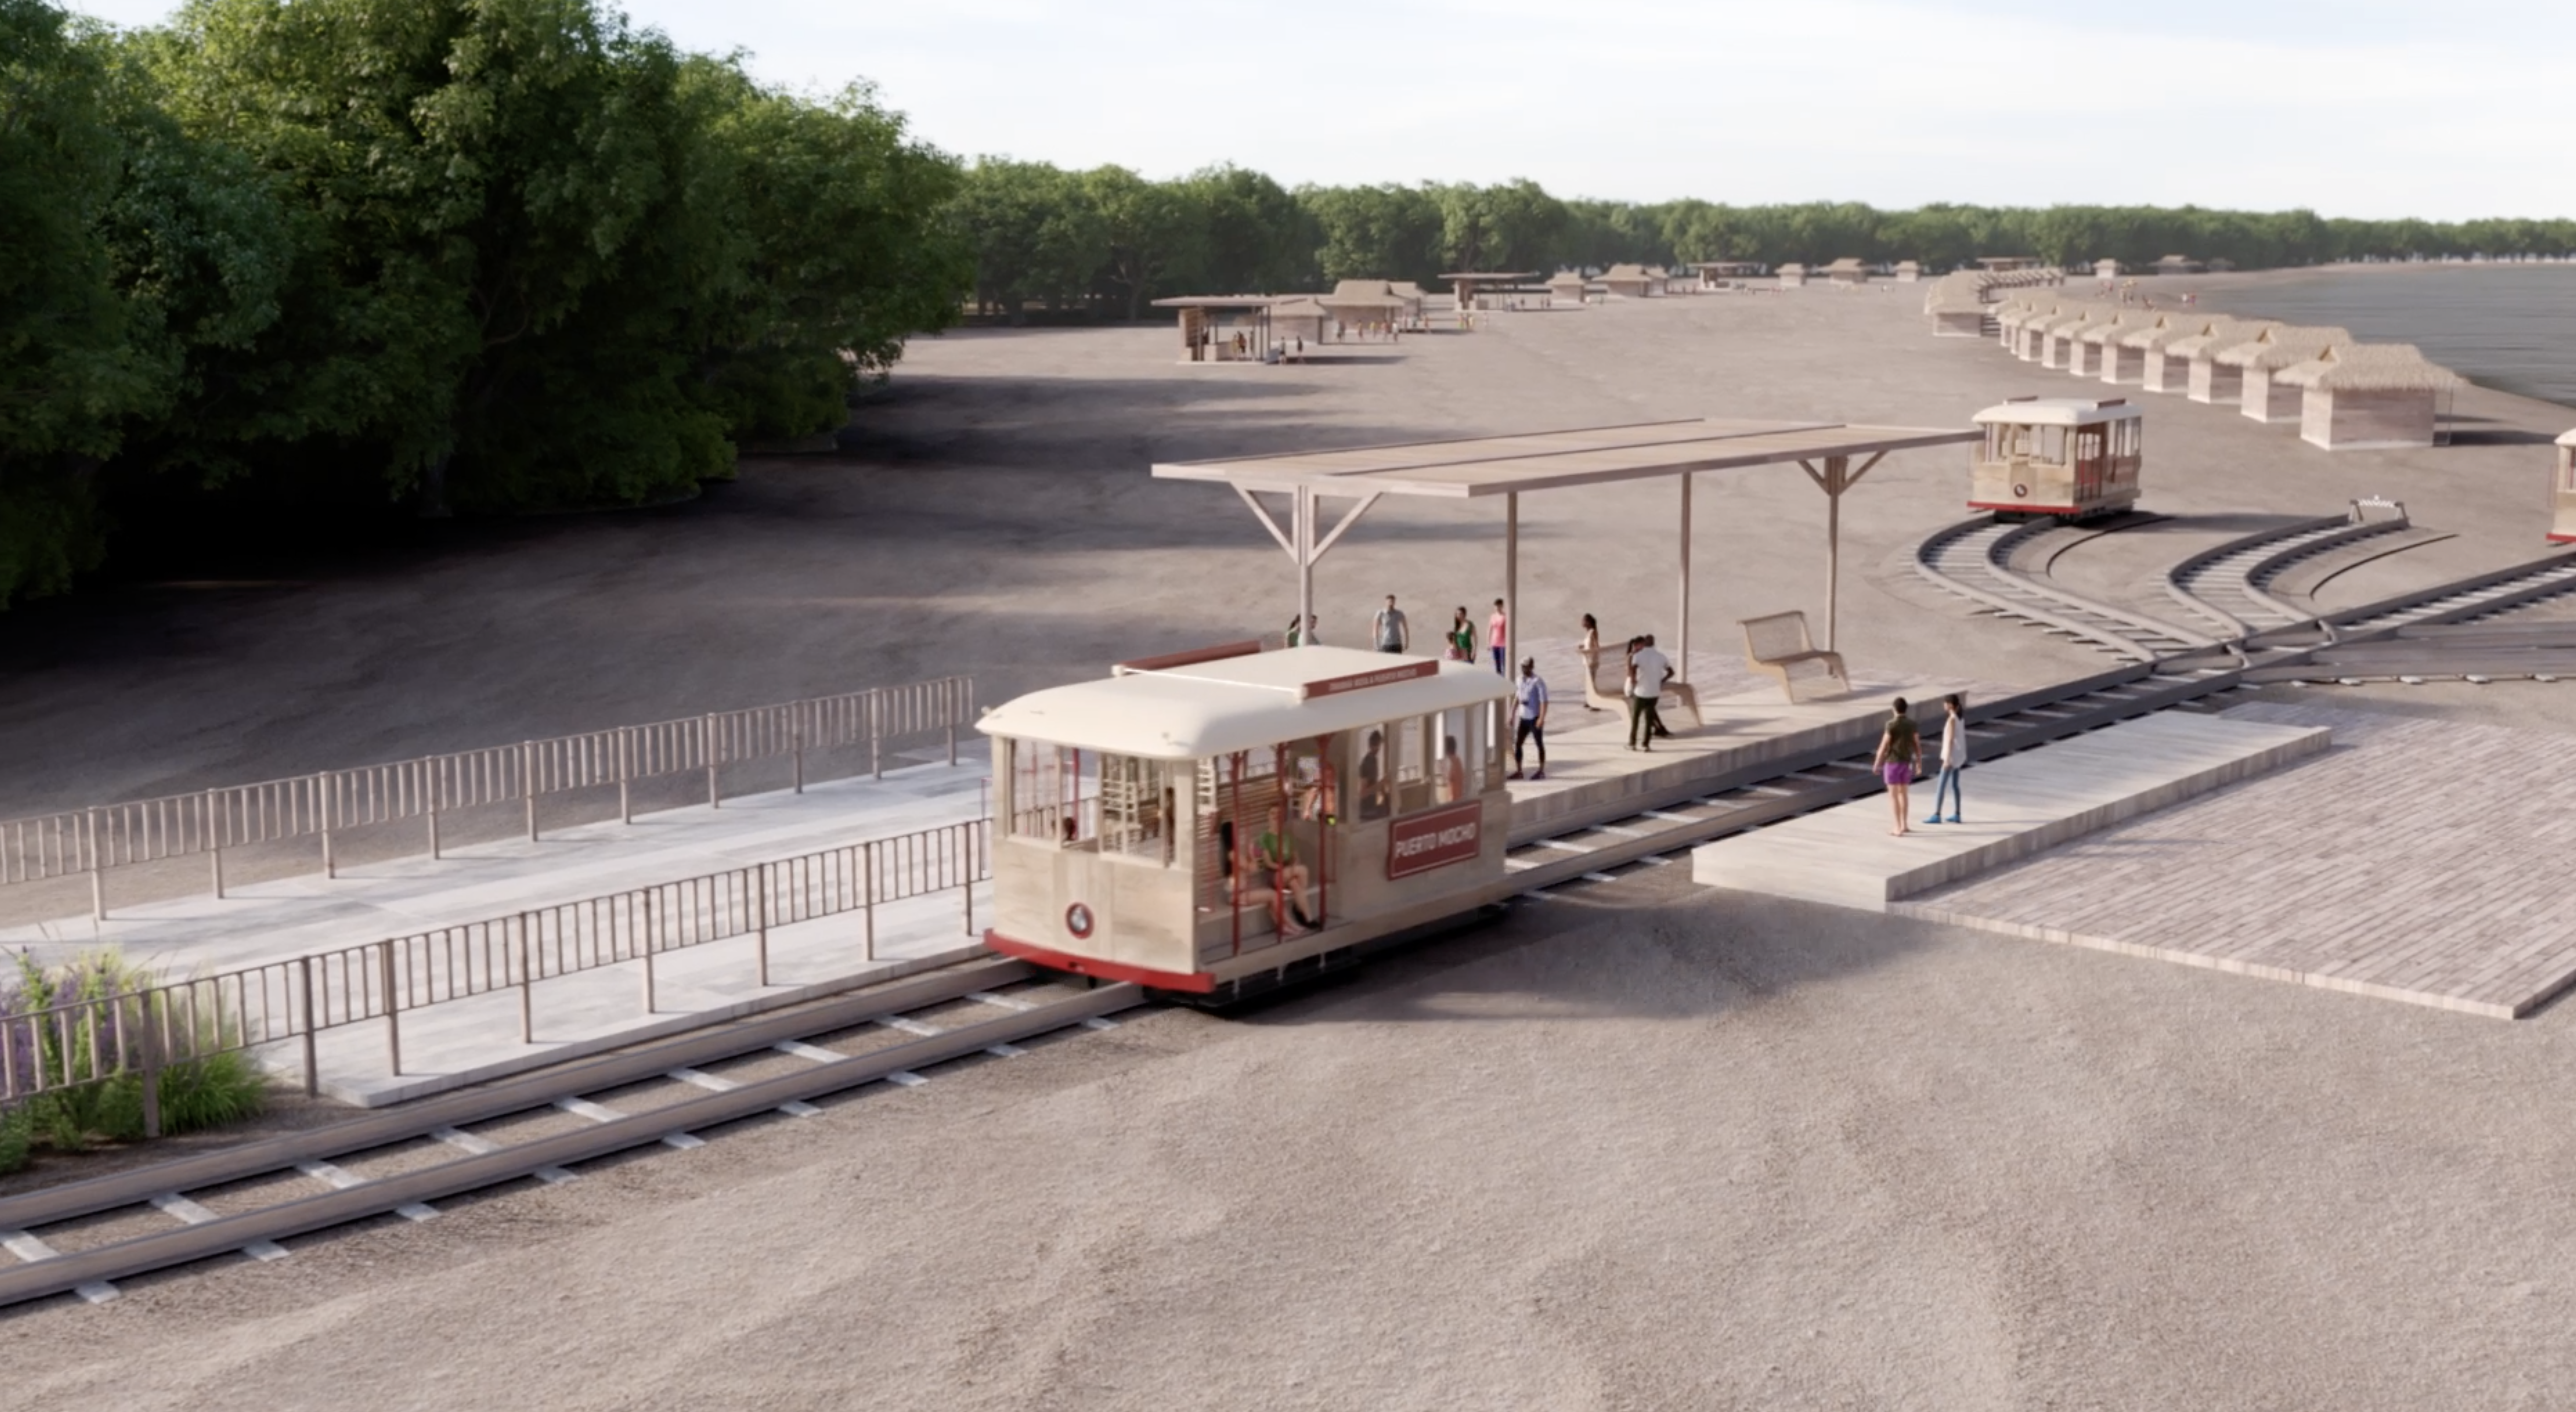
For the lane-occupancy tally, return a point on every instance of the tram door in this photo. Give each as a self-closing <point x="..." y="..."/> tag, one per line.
<point x="2088" y="467"/>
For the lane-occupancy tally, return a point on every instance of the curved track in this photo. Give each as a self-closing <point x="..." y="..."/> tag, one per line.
<point x="1974" y="558"/>
<point x="2228" y="586"/>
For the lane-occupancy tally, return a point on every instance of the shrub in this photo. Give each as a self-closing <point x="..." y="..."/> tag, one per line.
<point x="196" y="1093"/>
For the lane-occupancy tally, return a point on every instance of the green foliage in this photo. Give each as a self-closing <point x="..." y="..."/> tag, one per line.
<point x="484" y="255"/>
<point x="1035" y="233"/>
<point x="17" y="1139"/>
<point x="209" y="1086"/>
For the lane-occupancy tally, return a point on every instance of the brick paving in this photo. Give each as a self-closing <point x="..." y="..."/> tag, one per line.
<point x="2420" y="860"/>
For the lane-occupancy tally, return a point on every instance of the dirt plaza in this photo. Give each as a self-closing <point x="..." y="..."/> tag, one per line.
<point x="1642" y="1145"/>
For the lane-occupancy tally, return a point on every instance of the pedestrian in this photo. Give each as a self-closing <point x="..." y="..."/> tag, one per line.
<point x="1498" y="636"/>
<point x="1393" y="633"/>
<point x="1662" y="731"/>
<point x="1305" y="638"/>
<point x="1954" y="757"/>
<point x="1462" y="637"/>
<point x="1647" y="673"/>
<point x="1589" y="649"/>
<point x="1453" y="771"/>
<point x="1532" y="725"/>
<point x="1900" y="751"/>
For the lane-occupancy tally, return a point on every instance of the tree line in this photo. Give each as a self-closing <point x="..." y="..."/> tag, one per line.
<point x="438" y="256"/>
<point x="281" y="257"/>
<point x="1109" y="240"/>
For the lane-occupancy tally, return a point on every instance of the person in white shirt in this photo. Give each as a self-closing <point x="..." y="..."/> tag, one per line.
<point x="1533" y="717"/>
<point x="1647" y="673"/>
<point x="1954" y="757"/>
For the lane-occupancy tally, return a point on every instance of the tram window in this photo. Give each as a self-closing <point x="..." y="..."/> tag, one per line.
<point x="1134" y="806"/>
<point x="2052" y="445"/>
<point x="1055" y="794"/>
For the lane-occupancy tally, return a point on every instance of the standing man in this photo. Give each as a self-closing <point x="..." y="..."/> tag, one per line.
<point x="1647" y="673"/>
<point x="1533" y="717"/>
<point x="1393" y="633"/>
<point x="1498" y="636"/>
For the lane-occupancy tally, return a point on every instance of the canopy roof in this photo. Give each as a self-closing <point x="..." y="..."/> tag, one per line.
<point x="1551" y="460"/>
<point x="2371" y="367"/>
<point x="1208" y="709"/>
<point x="2567" y="438"/>
<point x="2281" y="345"/>
<point x="1217" y="301"/>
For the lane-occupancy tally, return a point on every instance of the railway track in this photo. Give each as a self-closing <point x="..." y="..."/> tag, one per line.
<point x="2230" y="585"/>
<point x="1975" y="559"/>
<point x="243" y="1202"/>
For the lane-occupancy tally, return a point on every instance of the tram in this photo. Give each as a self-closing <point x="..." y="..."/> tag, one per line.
<point x="2062" y="456"/>
<point x="1215" y="824"/>
<point x="2562" y="522"/>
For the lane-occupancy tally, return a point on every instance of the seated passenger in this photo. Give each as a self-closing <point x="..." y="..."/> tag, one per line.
<point x="1375" y="798"/>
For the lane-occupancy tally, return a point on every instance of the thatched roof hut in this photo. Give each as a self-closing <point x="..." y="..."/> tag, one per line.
<point x="2267" y="353"/>
<point x="1847" y="270"/>
<point x="2208" y="379"/>
<point x="2107" y="269"/>
<point x="2055" y="331"/>
<point x="2003" y="263"/>
<point x="1792" y="275"/>
<point x="2177" y="265"/>
<point x="1632" y="281"/>
<point x="2085" y="341"/>
<point x="1566" y="288"/>
<point x="1367" y="307"/>
<point x="2364" y="396"/>
<point x="1958" y="308"/>
<point x="1299" y="316"/>
<point x="1909" y="272"/>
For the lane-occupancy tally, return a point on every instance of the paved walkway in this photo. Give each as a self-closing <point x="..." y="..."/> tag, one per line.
<point x="2014" y="807"/>
<point x="2421" y="860"/>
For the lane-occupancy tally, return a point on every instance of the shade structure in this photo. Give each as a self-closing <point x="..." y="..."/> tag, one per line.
<point x="1222" y="327"/>
<point x="2267" y="353"/>
<point x="1509" y="466"/>
<point x="2370" y="396"/>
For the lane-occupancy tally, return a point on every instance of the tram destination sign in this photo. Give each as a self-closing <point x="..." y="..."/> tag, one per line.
<point x="1362" y="681"/>
<point x="1434" y="840"/>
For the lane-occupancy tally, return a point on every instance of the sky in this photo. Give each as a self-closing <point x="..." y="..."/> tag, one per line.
<point x="2370" y="108"/>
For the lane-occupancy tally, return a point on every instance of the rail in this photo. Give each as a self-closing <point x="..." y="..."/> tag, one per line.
<point x="296" y="999"/>
<point x="101" y="838"/>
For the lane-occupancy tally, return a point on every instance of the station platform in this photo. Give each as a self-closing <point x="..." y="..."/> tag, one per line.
<point x="1593" y="778"/>
<point x="2016" y="806"/>
<point x="444" y="1046"/>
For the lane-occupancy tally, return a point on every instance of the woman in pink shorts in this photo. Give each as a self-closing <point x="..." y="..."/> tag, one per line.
<point x="1900" y="750"/>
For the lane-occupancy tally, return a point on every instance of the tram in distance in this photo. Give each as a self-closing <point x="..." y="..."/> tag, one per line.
<point x="1213" y="825"/>
<point x="2065" y="457"/>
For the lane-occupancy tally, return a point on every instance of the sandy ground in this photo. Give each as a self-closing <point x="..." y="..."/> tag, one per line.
<point x="1650" y="1147"/>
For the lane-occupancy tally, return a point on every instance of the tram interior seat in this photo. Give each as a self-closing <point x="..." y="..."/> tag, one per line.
<point x="1780" y="645"/>
<point x="1605" y="688"/>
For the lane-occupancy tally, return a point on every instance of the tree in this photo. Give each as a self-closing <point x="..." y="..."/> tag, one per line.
<point x="1152" y="231"/>
<point x="1034" y="231"/>
<point x="1513" y="226"/>
<point x="1375" y="232"/>
<point x="1258" y="237"/>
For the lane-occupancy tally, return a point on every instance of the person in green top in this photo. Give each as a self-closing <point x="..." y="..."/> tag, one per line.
<point x="1462" y="637"/>
<point x="1277" y="850"/>
<point x="1900" y="751"/>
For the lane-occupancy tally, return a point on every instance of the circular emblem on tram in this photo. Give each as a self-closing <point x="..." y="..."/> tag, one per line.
<point x="2021" y="492"/>
<point x="1077" y="920"/>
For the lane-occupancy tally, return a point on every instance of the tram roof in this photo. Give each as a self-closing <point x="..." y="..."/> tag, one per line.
<point x="2061" y="412"/>
<point x="1555" y="460"/>
<point x="1207" y="709"/>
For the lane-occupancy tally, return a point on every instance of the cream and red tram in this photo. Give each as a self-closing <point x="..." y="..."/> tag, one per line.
<point x="2562" y="492"/>
<point x="1215" y="824"/>
<point x="2056" y="456"/>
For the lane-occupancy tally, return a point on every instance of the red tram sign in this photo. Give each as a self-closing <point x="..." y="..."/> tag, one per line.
<point x="1434" y="840"/>
<point x="1362" y="681"/>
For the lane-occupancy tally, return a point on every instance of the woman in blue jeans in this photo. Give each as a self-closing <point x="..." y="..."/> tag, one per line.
<point x="1954" y="758"/>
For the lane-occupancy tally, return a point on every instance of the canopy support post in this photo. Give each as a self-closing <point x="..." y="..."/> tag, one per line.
<point x="1837" y="477"/>
<point x="1305" y="564"/>
<point x="1681" y="654"/>
<point x="1511" y="584"/>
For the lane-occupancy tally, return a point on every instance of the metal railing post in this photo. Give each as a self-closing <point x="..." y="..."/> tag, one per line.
<point x="760" y="901"/>
<point x="304" y="1017"/>
<point x="215" y="844"/>
<point x="528" y="783"/>
<point x="796" y="734"/>
<point x="393" y="1009"/>
<point x="647" y="948"/>
<point x="97" y="877"/>
<point x="322" y="804"/>
<point x="527" y="987"/>
<point x="966" y="880"/>
<point x="868" y="896"/>
<point x="876" y="740"/>
<point x="150" y="1044"/>
<point x="707" y="737"/>
<point x="625" y="774"/>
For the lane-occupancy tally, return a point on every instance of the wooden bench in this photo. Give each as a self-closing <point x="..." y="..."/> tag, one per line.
<point x="1780" y="645"/>
<point x="1605" y="688"/>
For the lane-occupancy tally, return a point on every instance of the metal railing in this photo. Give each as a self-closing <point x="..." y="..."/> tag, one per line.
<point x="297" y="998"/>
<point x="99" y="839"/>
